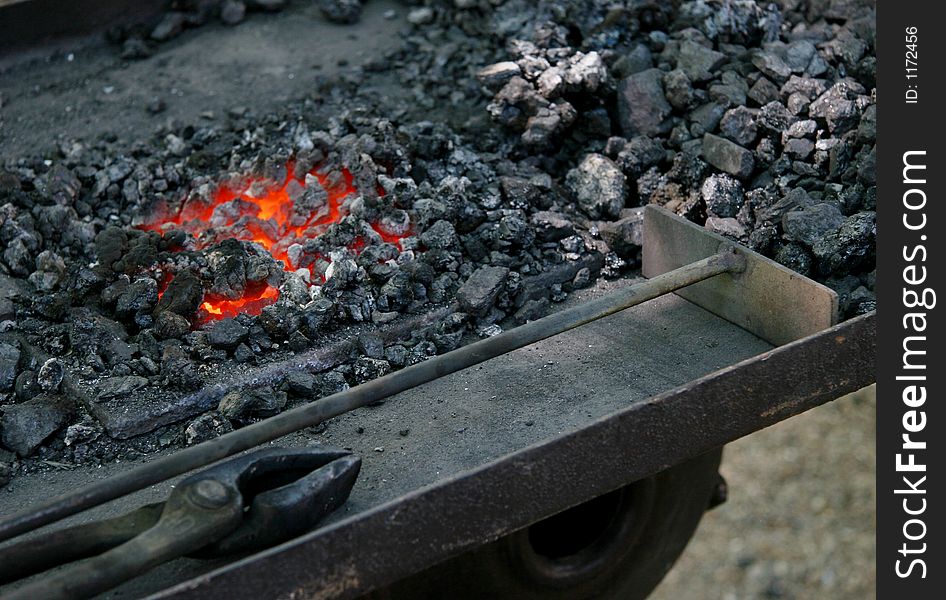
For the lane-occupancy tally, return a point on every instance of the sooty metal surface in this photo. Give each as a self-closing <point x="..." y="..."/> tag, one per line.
<point x="766" y="298"/>
<point x="376" y="547"/>
<point x="468" y="419"/>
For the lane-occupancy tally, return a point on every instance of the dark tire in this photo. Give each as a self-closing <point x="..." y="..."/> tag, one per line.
<point x="619" y="545"/>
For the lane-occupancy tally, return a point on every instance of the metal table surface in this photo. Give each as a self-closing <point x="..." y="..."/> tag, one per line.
<point x="441" y="433"/>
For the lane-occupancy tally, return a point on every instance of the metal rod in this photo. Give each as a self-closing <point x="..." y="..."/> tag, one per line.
<point x="308" y="415"/>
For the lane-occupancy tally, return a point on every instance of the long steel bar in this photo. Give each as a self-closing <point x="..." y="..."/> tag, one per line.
<point x="727" y="261"/>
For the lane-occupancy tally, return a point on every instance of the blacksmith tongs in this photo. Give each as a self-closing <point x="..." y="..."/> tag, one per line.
<point x="243" y="504"/>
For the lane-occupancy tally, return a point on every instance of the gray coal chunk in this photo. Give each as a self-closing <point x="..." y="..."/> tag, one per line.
<point x="626" y="235"/>
<point x="478" y="293"/>
<point x="232" y="12"/>
<point x="867" y="128"/>
<point x="140" y="296"/>
<point x="738" y="125"/>
<point x="50" y="375"/>
<point x="420" y="16"/>
<point x="9" y="366"/>
<point x="120" y="386"/>
<point x="731" y="89"/>
<point x="639" y="154"/>
<point x="763" y="91"/>
<point x="330" y="383"/>
<point x="18" y="257"/>
<point x="247" y="405"/>
<point x="298" y="342"/>
<point x="110" y="245"/>
<point x="244" y="354"/>
<point x="170" y="325"/>
<point x="365" y="369"/>
<point x="837" y="108"/>
<point x="344" y="12"/>
<point x="806" y="86"/>
<point x="723" y="195"/>
<point x="637" y="60"/>
<point x="798" y="55"/>
<point x="280" y="320"/>
<point x="183" y="295"/>
<point x="798" y="149"/>
<point x="206" y="427"/>
<point x="181" y="373"/>
<point x="227" y="334"/>
<point x="538" y="286"/>
<point x="495" y="76"/>
<point x="846" y="47"/>
<point x="774" y="117"/>
<point x="542" y="127"/>
<point x="795" y="199"/>
<point x="551" y="226"/>
<point x="708" y="115"/>
<point x="7" y="466"/>
<point x="441" y="235"/>
<point x="302" y="384"/>
<point x="772" y="65"/>
<point x="316" y="316"/>
<point x="867" y="167"/>
<point x="800" y="129"/>
<point x="26" y="387"/>
<point x="532" y="310"/>
<point x="62" y="186"/>
<point x="7" y="310"/>
<point x="796" y="257"/>
<point x="850" y="248"/>
<point x="519" y="191"/>
<point x="169" y="27"/>
<point x="698" y="61"/>
<point x="642" y="107"/>
<point x="599" y="186"/>
<point x="514" y="231"/>
<point x="582" y="278"/>
<point x="678" y="89"/>
<point x="371" y="345"/>
<point x="397" y="355"/>
<point x="25" y="426"/>
<point x="96" y="334"/>
<point x="808" y="225"/>
<point x="728" y="156"/>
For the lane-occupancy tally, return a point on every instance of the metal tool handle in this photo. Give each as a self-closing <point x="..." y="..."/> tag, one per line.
<point x="196" y="514"/>
<point x="37" y="554"/>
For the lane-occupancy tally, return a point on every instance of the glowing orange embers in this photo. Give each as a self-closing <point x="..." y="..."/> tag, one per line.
<point x="275" y="214"/>
<point x="254" y="299"/>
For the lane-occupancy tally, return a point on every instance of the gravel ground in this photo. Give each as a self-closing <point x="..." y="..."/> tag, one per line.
<point x="799" y="522"/>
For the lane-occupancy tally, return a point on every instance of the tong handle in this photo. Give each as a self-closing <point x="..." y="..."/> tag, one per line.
<point x="196" y="513"/>
<point x="55" y="548"/>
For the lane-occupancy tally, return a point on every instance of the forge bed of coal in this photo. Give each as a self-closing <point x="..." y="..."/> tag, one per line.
<point x="203" y="226"/>
<point x="467" y="419"/>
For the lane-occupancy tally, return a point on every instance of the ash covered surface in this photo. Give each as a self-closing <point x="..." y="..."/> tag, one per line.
<point x="486" y="165"/>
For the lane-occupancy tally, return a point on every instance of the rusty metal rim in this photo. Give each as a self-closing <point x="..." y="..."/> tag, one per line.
<point x="375" y="548"/>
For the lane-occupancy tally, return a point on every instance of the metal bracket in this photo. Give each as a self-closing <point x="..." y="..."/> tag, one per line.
<point x="766" y="298"/>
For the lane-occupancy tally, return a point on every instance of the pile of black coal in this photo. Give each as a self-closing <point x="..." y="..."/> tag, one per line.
<point x="507" y="169"/>
<point x="757" y="122"/>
